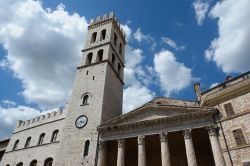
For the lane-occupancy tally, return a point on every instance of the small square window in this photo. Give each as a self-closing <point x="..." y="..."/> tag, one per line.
<point x="239" y="137"/>
<point x="229" y="109"/>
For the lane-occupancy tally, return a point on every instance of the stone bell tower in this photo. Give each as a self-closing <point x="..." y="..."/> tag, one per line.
<point x="97" y="92"/>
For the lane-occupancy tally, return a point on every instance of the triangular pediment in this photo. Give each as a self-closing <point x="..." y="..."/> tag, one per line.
<point x="155" y="109"/>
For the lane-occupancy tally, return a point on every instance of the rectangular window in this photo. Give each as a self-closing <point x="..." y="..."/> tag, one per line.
<point x="239" y="137"/>
<point x="229" y="109"/>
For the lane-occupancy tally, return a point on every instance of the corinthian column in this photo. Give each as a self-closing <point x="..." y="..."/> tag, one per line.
<point x="165" y="157"/>
<point x="217" y="153"/>
<point x="141" y="151"/>
<point x="120" y="155"/>
<point x="102" y="154"/>
<point x="189" y="148"/>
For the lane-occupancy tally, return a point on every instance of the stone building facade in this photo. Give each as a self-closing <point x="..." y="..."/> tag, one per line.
<point x="91" y="130"/>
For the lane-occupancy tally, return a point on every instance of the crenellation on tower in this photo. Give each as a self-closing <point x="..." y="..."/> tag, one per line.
<point x="104" y="19"/>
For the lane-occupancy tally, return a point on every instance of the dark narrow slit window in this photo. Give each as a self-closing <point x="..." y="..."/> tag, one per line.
<point x="120" y="48"/>
<point x="115" y="39"/>
<point x="15" y="145"/>
<point x="86" y="148"/>
<point x="27" y="143"/>
<point x="48" y="162"/>
<point x="87" y="73"/>
<point x="113" y="59"/>
<point x="100" y="55"/>
<point x="93" y="37"/>
<point x="54" y="136"/>
<point x="93" y="78"/>
<point x="119" y="68"/>
<point x="89" y="58"/>
<point x="103" y="34"/>
<point x="41" y="139"/>
<point x="33" y="163"/>
<point x="85" y="99"/>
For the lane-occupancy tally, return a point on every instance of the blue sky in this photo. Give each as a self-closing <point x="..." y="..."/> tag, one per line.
<point x="171" y="45"/>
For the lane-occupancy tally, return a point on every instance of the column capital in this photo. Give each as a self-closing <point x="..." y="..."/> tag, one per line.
<point x="141" y="139"/>
<point x="120" y="142"/>
<point x="187" y="133"/>
<point x="163" y="136"/>
<point x="213" y="130"/>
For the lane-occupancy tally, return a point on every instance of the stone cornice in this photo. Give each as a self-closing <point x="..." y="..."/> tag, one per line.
<point x="156" y="106"/>
<point x="139" y="124"/>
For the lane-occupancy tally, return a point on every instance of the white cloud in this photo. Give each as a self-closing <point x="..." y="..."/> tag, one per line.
<point x="133" y="80"/>
<point x="214" y="84"/>
<point x="230" y="51"/>
<point x="135" y="96"/>
<point x="9" y="116"/>
<point x="201" y="7"/>
<point x="174" y="76"/>
<point x="127" y="31"/>
<point x="8" y="103"/>
<point x="139" y="36"/>
<point x="172" y="43"/>
<point x="43" y="49"/>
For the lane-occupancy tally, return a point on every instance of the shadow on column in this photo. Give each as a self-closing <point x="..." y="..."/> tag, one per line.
<point x="203" y="151"/>
<point x="177" y="149"/>
<point x="111" y="153"/>
<point x="131" y="152"/>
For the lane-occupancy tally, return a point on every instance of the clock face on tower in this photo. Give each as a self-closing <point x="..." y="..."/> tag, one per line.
<point x="81" y="121"/>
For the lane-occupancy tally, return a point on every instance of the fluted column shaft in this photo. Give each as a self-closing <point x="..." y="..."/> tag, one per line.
<point x="141" y="151"/>
<point x="189" y="148"/>
<point x="102" y="154"/>
<point x="165" y="156"/>
<point x="216" y="148"/>
<point x="121" y="153"/>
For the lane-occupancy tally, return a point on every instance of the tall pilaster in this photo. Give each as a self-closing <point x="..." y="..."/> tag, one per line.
<point x="121" y="154"/>
<point x="189" y="147"/>
<point x="165" y="156"/>
<point x="141" y="151"/>
<point x="217" y="153"/>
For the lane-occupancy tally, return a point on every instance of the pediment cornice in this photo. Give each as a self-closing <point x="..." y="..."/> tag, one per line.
<point x="146" y="123"/>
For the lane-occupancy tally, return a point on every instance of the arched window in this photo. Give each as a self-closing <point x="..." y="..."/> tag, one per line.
<point x="33" y="163"/>
<point x="86" y="148"/>
<point x="119" y="68"/>
<point x="85" y="98"/>
<point x="27" y="143"/>
<point x="120" y="48"/>
<point x="89" y="58"/>
<point x="54" y="136"/>
<point x="20" y="164"/>
<point x="103" y="34"/>
<point x="100" y="55"/>
<point x="41" y="138"/>
<point x="113" y="59"/>
<point x="93" y="37"/>
<point x="115" y="39"/>
<point x="48" y="162"/>
<point x="15" y="145"/>
<point x="7" y="165"/>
